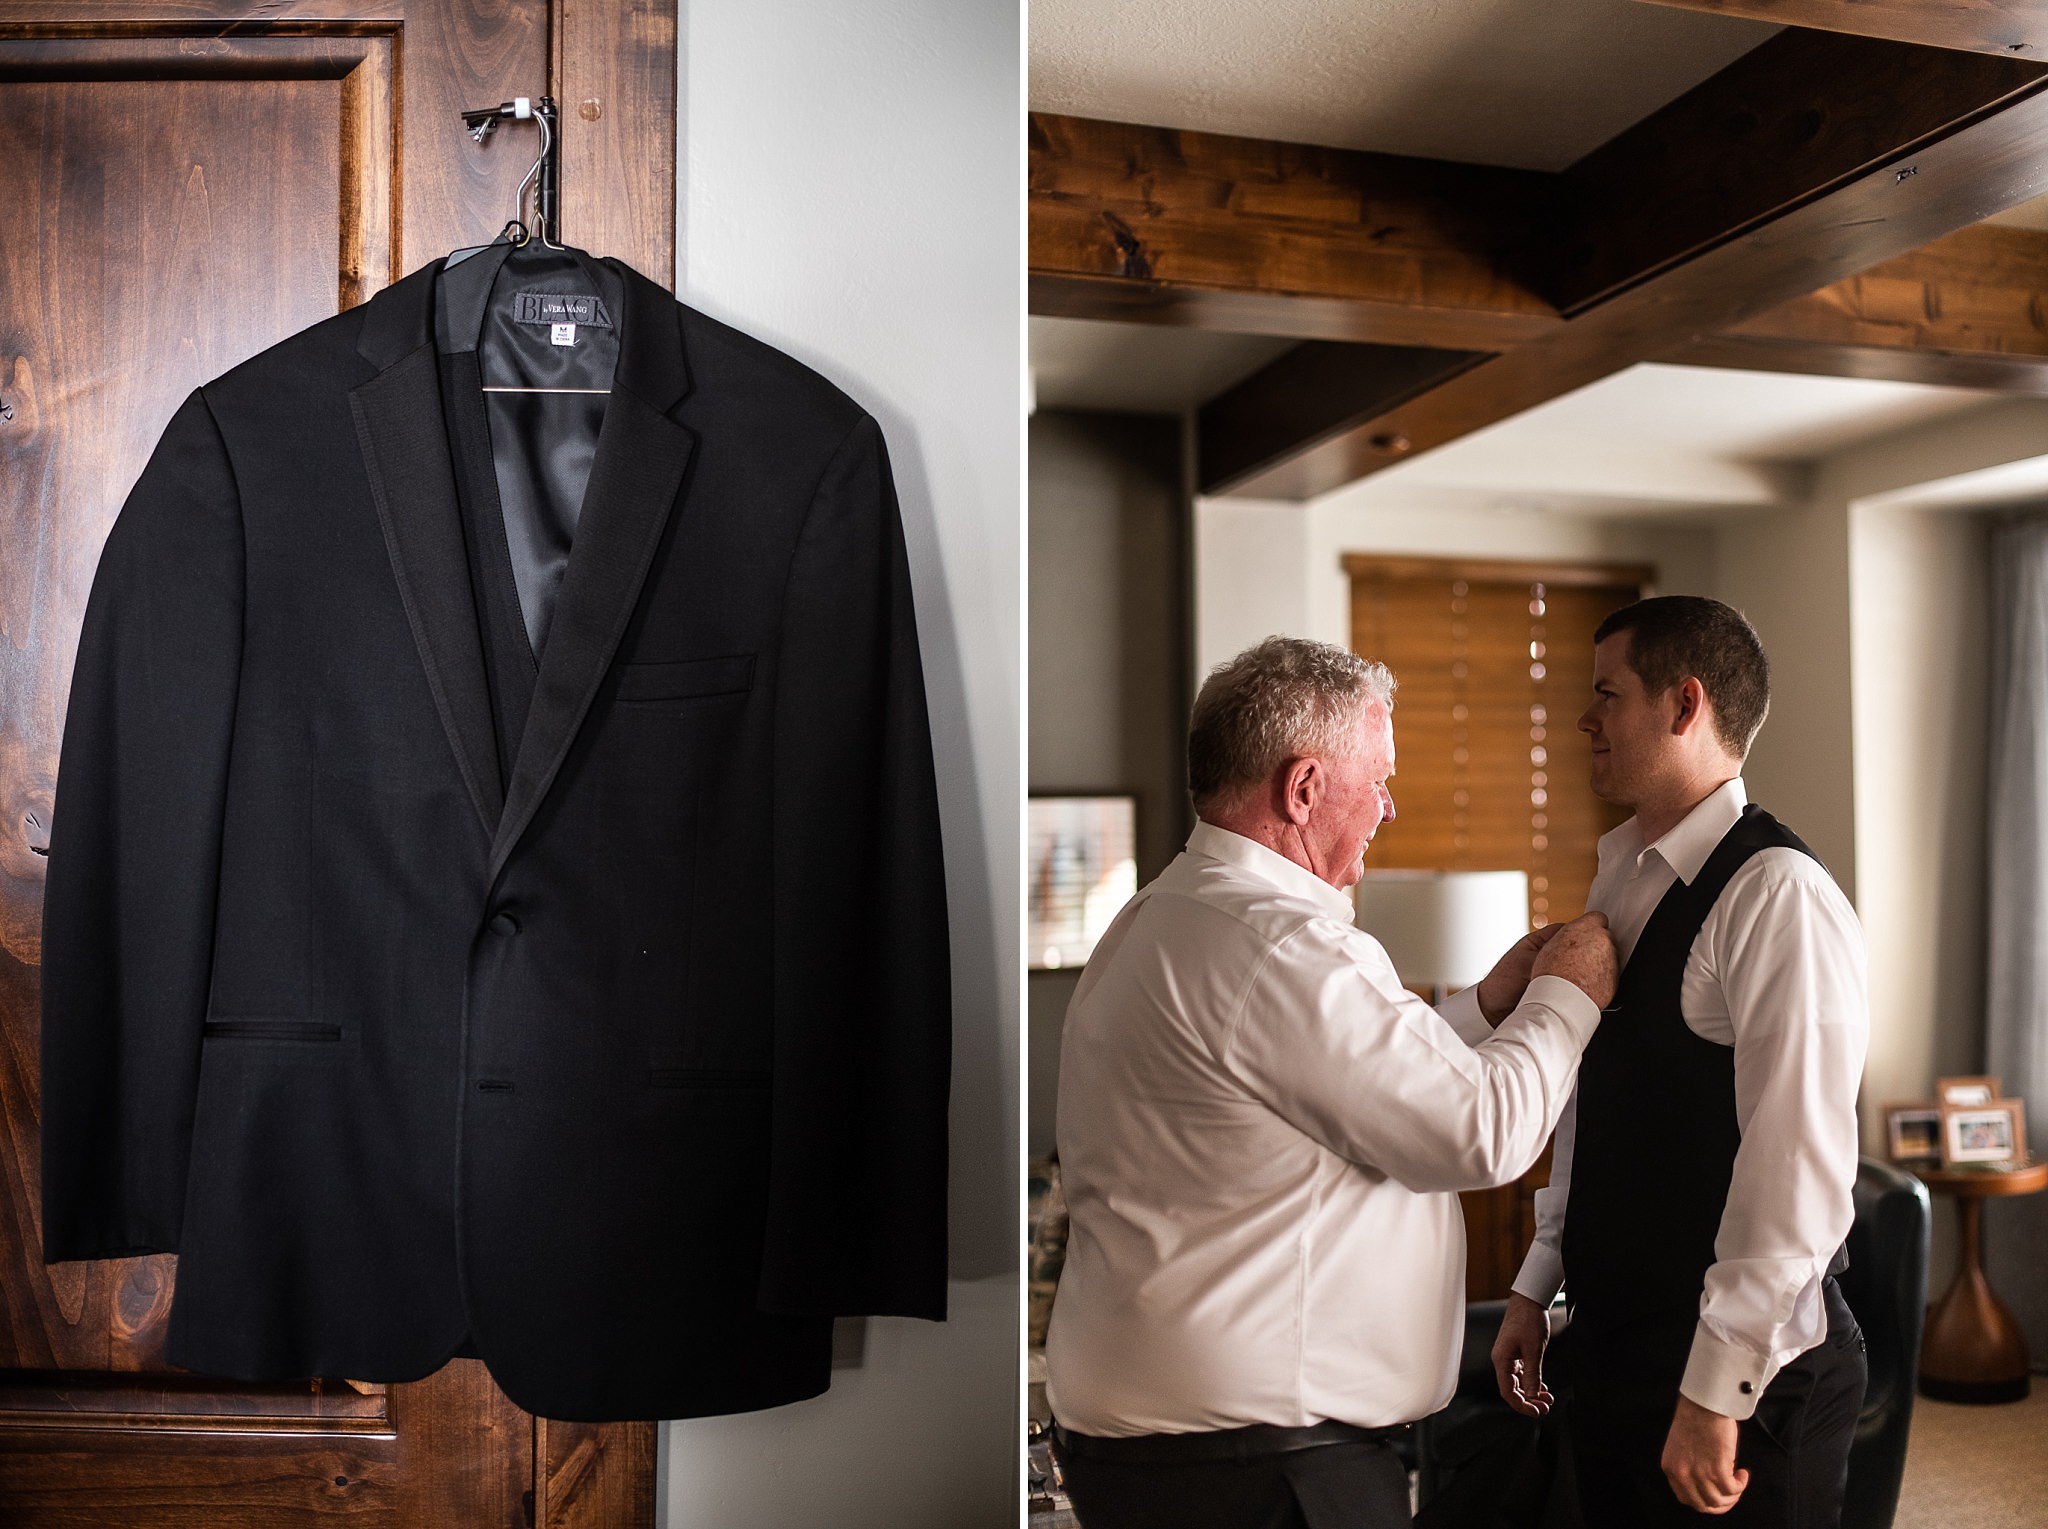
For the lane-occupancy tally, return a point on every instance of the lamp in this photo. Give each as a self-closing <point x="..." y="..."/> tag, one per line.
<point x="1443" y="929"/>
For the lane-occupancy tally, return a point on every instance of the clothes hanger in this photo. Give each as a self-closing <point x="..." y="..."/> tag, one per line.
<point x="480" y="123"/>
<point x="516" y="233"/>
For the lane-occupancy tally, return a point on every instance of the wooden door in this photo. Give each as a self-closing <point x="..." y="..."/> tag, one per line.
<point x="186" y="182"/>
<point x="1495" y="662"/>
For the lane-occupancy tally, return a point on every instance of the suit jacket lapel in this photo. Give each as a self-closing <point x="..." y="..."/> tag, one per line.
<point x="404" y="442"/>
<point x="635" y="479"/>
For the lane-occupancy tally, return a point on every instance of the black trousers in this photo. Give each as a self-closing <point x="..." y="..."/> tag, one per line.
<point x="1243" y="1478"/>
<point x="1795" y="1447"/>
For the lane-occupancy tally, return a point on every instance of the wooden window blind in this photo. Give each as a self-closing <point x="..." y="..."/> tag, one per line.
<point x="1494" y="662"/>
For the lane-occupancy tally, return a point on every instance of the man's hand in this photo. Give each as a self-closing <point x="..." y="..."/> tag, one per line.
<point x="1583" y="954"/>
<point x="1501" y="989"/>
<point x="1699" y="1459"/>
<point x="1518" y="1356"/>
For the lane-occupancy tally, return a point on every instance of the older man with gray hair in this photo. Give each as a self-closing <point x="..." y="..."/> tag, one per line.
<point x="1261" y="1133"/>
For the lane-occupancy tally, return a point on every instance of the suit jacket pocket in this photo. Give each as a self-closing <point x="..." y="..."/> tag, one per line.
<point x="683" y="680"/>
<point x="299" y="1030"/>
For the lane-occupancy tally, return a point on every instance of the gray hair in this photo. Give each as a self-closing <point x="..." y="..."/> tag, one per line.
<point x="1284" y="698"/>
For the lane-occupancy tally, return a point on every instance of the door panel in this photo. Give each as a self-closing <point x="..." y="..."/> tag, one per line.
<point x="188" y="182"/>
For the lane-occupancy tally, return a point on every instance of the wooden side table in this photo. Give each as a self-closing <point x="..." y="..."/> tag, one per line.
<point x="1973" y="1350"/>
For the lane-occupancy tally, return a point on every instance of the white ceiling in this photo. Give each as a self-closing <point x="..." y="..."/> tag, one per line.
<point x="1529" y="83"/>
<point x="1691" y="442"/>
<point x="1139" y="368"/>
<point x="1745" y="416"/>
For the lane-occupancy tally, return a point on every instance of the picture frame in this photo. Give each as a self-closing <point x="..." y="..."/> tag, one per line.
<point x="1081" y="861"/>
<point x="1912" y="1130"/>
<point x="1966" y="1091"/>
<point x="1983" y="1133"/>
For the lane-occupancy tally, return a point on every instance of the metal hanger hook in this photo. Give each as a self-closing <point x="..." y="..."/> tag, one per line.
<point x="540" y="222"/>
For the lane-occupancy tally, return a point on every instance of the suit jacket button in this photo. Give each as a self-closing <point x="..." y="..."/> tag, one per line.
<point x="504" y="923"/>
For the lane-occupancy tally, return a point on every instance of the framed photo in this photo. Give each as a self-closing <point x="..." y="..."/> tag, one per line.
<point x="1966" y="1090"/>
<point x="1983" y="1133"/>
<point x="1912" y="1131"/>
<point x="1081" y="855"/>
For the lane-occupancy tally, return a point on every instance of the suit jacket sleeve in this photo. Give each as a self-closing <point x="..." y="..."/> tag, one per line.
<point x="857" y="1189"/>
<point x="134" y="853"/>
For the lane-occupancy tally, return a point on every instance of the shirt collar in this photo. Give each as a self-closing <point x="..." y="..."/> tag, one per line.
<point x="1687" y="844"/>
<point x="1270" y="866"/>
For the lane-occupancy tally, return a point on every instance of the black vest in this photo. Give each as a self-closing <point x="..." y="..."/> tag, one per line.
<point x="499" y="489"/>
<point x="1657" y="1137"/>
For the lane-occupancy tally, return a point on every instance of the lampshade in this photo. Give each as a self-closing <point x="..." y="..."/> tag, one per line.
<point x="1443" y="928"/>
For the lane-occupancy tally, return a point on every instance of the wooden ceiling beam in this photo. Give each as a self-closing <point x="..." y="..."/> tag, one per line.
<point x="1811" y="158"/>
<point x="1154" y="225"/>
<point x="1970" y="310"/>
<point x="1317" y="389"/>
<point x="1795" y="119"/>
<point x="1965" y="311"/>
<point x="2025" y="376"/>
<point x="2006" y="28"/>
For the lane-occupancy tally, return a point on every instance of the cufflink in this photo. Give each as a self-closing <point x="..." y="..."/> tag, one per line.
<point x="1745" y="1388"/>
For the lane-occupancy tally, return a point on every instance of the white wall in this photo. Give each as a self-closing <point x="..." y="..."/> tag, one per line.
<point x="1920" y="586"/>
<point x="1791" y="573"/>
<point x="1251" y="577"/>
<point x="1871" y="600"/>
<point x="848" y="192"/>
<point x="1788" y="572"/>
<point x="1265" y="566"/>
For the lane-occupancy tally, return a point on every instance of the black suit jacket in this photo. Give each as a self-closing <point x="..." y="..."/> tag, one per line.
<point x="624" y="1067"/>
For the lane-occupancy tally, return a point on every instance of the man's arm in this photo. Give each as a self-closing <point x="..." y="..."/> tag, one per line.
<point x="1525" y="1326"/>
<point x="1330" y="1040"/>
<point x="1787" y="953"/>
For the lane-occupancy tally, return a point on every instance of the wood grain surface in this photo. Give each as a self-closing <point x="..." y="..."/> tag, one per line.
<point x="1154" y="225"/>
<point x="192" y="180"/>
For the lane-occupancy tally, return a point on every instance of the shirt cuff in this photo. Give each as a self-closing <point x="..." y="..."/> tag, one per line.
<point x="1722" y="1377"/>
<point x="1541" y="1276"/>
<point x="1462" y="1013"/>
<point x="1568" y="1001"/>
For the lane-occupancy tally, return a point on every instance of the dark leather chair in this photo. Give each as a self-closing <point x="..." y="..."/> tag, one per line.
<point x="1885" y="1286"/>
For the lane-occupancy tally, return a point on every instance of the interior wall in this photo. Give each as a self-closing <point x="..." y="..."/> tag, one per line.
<point x="1788" y="572"/>
<point x="1251" y="577"/>
<point x="1107" y="650"/>
<point x="1265" y="567"/>
<point x="1919" y="589"/>
<point x="1874" y="612"/>
<point x="814" y="137"/>
<point x="1920" y="592"/>
<point x="1108" y="616"/>
<point x="1873" y="604"/>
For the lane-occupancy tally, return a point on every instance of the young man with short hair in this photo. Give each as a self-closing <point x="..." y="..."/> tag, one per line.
<point x="1702" y="1174"/>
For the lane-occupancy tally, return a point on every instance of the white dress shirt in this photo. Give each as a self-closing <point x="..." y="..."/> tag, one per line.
<point x="1259" y="1133"/>
<point x="1777" y="972"/>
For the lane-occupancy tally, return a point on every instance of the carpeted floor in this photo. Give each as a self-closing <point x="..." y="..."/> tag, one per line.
<point x="1977" y="1467"/>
